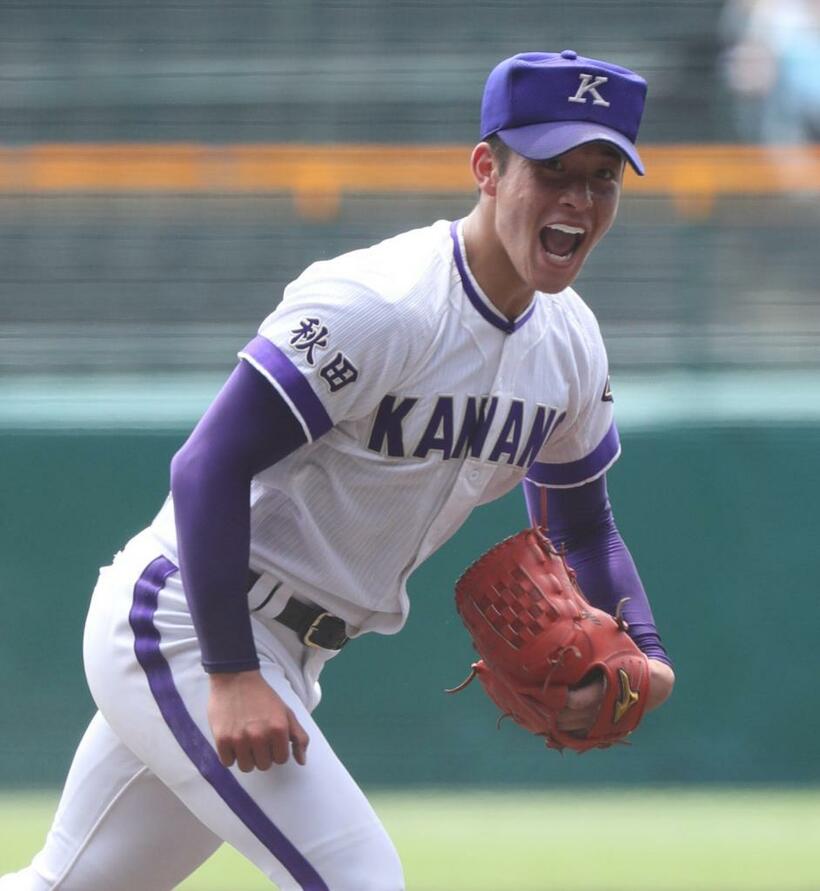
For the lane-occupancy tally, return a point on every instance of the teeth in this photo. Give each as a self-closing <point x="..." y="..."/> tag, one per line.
<point x="569" y="230"/>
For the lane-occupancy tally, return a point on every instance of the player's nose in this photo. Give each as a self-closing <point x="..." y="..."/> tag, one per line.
<point x="576" y="192"/>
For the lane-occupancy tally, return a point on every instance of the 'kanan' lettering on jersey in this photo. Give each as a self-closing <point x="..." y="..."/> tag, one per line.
<point x="468" y="436"/>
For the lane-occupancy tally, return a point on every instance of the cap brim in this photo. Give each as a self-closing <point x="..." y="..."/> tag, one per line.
<point x="541" y="141"/>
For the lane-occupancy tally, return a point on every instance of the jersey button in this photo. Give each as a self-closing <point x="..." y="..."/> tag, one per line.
<point x="474" y="474"/>
<point x="569" y="54"/>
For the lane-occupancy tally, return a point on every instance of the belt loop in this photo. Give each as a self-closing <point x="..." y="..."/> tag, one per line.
<point x="262" y="589"/>
<point x="278" y="600"/>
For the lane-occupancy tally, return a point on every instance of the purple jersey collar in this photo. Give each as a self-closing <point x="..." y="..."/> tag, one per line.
<point x="491" y="315"/>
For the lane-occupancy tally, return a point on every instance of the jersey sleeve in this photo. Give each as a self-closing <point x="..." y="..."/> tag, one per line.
<point x="332" y="349"/>
<point x="586" y="444"/>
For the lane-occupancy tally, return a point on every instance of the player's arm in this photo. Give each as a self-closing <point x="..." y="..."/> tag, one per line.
<point x="247" y="428"/>
<point x="580" y="520"/>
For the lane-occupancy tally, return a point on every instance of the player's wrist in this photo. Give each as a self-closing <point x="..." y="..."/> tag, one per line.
<point x="224" y="679"/>
<point x="661" y="682"/>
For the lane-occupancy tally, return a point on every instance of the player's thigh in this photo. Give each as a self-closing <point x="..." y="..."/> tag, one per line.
<point x="308" y="828"/>
<point x="117" y="827"/>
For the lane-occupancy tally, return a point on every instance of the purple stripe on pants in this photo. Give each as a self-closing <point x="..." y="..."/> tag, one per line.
<point x="191" y="738"/>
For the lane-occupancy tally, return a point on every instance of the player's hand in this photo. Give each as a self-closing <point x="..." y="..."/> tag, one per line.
<point x="583" y="702"/>
<point x="251" y="724"/>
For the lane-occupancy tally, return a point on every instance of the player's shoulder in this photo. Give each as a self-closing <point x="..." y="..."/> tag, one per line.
<point x="569" y="310"/>
<point x="407" y="274"/>
<point x="572" y="332"/>
<point x="569" y="304"/>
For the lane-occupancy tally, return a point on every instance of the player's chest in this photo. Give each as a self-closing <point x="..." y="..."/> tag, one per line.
<point x="495" y="402"/>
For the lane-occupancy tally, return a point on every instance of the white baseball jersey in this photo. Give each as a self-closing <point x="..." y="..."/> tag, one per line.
<point x="419" y="401"/>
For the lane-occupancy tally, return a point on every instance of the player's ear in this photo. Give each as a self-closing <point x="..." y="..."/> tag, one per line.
<point x="485" y="169"/>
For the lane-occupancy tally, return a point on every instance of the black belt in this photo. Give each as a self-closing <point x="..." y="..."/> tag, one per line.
<point x="315" y="626"/>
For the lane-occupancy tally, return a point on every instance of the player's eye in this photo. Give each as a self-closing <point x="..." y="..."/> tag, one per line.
<point x="606" y="173"/>
<point x="552" y="164"/>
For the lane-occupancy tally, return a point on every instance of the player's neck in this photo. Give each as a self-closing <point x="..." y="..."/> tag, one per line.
<point x="491" y="267"/>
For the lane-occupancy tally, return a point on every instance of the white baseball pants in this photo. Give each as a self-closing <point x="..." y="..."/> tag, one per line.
<point x="147" y="800"/>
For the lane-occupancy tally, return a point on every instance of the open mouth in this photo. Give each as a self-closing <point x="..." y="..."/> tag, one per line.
<point x="561" y="241"/>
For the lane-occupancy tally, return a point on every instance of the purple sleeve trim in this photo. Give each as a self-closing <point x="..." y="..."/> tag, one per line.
<point x="580" y="520"/>
<point x="270" y="361"/>
<point x="574" y="473"/>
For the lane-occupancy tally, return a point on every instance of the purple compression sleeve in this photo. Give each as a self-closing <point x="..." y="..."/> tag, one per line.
<point x="247" y="428"/>
<point x="581" y="520"/>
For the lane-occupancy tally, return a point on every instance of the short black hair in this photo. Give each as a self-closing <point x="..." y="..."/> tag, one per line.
<point x="501" y="151"/>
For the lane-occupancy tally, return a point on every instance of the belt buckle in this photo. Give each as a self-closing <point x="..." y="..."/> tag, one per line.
<point x="307" y="637"/>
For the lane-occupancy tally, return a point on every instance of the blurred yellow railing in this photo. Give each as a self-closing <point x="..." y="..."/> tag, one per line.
<point x="692" y="176"/>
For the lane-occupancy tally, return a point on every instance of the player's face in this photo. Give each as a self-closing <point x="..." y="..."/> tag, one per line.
<point x="550" y="214"/>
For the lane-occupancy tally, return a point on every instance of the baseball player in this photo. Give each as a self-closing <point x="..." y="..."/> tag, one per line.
<point x="393" y="390"/>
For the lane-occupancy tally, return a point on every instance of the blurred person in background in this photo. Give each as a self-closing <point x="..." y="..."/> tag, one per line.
<point x="772" y="65"/>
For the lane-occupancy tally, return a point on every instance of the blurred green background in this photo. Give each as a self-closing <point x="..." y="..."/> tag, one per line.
<point x="121" y="311"/>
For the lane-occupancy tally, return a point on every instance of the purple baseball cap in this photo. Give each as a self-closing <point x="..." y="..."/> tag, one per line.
<point x="544" y="104"/>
